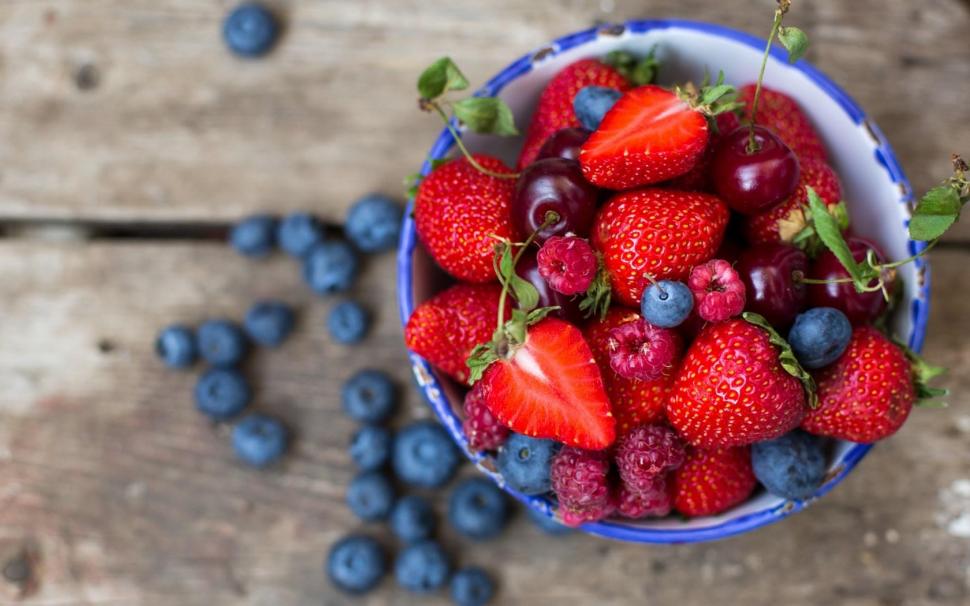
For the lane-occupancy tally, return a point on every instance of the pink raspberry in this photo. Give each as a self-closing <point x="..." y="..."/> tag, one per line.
<point x="483" y="430"/>
<point x="657" y="502"/>
<point x="641" y="351"/>
<point x="568" y="264"/>
<point x="718" y="290"/>
<point x="645" y="453"/>
<point x="580" y="479"/>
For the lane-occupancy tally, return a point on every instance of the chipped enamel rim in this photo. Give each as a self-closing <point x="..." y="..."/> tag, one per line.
<point x="728" y="523"/>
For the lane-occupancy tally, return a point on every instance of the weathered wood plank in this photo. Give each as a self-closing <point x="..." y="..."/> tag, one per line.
<point x="128" y="497"/>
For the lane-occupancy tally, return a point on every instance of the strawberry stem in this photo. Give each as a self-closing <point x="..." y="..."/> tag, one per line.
<point x="461" y="145"/>
<point x="783" y="6"/>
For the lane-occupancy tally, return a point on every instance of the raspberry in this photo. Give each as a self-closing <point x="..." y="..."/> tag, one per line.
<point x="718" y="290"/>
<point x="641" y="351"/>
<point x="568" y="264"/>
<point x="656" y="502"/>
<point x="483" y="430"/>
<point x="646" y="453"/>
<point x="580" y="481"/>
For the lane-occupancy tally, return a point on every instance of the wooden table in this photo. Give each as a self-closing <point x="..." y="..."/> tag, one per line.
<point x="129" y="138"/>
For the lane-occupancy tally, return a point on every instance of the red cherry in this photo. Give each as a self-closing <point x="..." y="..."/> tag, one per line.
<point x="528" y="269"/>
<point x="860" y="308"/>
<point x="771" y="273"/>
<point x="754" y="182"/>
<point x="553" y="184"/>
<point x="564" y="143"/>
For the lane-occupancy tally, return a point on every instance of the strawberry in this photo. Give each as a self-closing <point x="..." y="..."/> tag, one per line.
<point x="732" y="390"/>
<point x="711" y="481"/>
<point x="785" y="117"/>
<point x="633" y="402"/>
<point x="866" y="394"/>
<point x="459" y="210"/>
<point x="445" y="329"/>
<point x="555" y="108"/>
<point x="660" y="232"/>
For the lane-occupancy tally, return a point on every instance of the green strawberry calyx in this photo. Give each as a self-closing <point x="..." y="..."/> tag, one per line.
<point x="637" y="71"/>
<point x="786" y="357"/>
<point x="596" y="301"/>
<point x="924" y="372"/>
<point x="710" y="99"/>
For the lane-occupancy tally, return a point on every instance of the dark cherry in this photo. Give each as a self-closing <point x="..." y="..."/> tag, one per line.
<point x="753" y="182"/>
<point x="860" y="308"/>
<point x="553" y="184"/>
<point x="564" y="143"/>
<point x="771" y="273"/>
<point x="528" y="269"/>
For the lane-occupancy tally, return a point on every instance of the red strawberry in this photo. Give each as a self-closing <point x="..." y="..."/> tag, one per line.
<point x="699" y="177"/>
<point x="650" y="135"/>
<point x="785" y="117"/>
<point x="866" y="394"/>
<point x="732" y="390"/>
<point x="444" y="329"/>
<point x="660" y="232"/>
<point x="550" y="387"/>
<point x="711" y="481"/>
<point x="783" y="222"/>
<point x="555" y="108"/>
<point x="458" y="210"/>
<point x="633" y="402"/>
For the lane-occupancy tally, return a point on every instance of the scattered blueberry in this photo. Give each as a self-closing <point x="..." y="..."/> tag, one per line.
<point x="356" y="563"/>
<point x="422" y="567"/>
<point x="368" y="396"/>
<point x="370" y="496"/>
<point x="819" y="336"/>
<point x="221" y="342"/>
<point x="348" y="323"/>
<point x="297" y="233"/>
<point x="548" y="524"/>
<point x="374" y="223"/>
<point x="471" y="586"/>
<point x="259" y="440"/>
<point x="254" y="236"/>
<point x="412" y="519"/>
<point x="330" y="267"/>
<point x="269" y="322"/>
<point x="250" y="30"/>
<point x="792" y="466"/>
<point x="370" y="447"/>
<point x="221" y="393"/>
<point x="424" y="455"/>
<point x="591" y="104"/>
<point x="524" y="463"/>
<point x="477" y="508"/>
<point x="175" y="345"/>
<point x="667" y="303"/>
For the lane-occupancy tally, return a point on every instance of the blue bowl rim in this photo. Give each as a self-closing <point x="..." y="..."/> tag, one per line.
<point x="431" y="388"/>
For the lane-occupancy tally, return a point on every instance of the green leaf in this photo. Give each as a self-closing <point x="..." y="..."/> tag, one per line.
<point x="411" y="183"/>
<point x="486" y="115"/>
<point x="935" y="213"/>
<point x="536" y="315"/>
<point x="524" y="292"/>
<point x="596" y="301"/>
<point x="441" y="76"/>
<point x="786" y="357"/>
<point x="794" y="40"/>
<point x="828" y="231"/>
<point x="478" y="360"/>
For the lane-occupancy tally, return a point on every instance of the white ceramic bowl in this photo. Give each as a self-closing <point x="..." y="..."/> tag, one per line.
<point x="874" y="186"/>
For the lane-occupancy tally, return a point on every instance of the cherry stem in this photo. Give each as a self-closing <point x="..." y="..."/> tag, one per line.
<point x="663" y="293"/>
<point x="551" y="218"/>
<point x="464" y="150"/>
<point x="783" y="6"/>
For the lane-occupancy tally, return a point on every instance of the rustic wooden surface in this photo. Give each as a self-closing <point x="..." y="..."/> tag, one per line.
<point x="127" y="116"/>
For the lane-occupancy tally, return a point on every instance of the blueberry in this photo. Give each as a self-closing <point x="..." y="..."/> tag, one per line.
<point x="792" y="466"/>
<point x="471" y="586"/>
<point x="297" y="233"/>
<point x="591" y="104"/>
<point x="254" y="236"/>
<point x="819" y="336"/>
<point x="524" y="463"/>
<point x="330" y="267"/>
<point x="422" y="567"/>
<point x="368" y="396"/>
<point x="348" y="323"/>
<point x="666" y="303"/>
<point x="356" y="563"/>
<point x="424" y="455"/>
<point x="370" y="496"/>
<point x="412" y="519"/>
<point x="175" y="345"/>
<point x="221" y="342"/>
<point x="250" y="30"/>
<point x="374" y="223"/>
<point x="548" y="524"/>
<point x="370" y="447"/>
<point x="477" y="509"/>
<point x="269" y="322"/>
<point x="221" y="393"/>
<point x="259" y="440"/>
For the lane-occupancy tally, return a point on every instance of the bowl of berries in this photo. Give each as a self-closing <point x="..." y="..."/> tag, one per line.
<point x="681" y="307"/>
